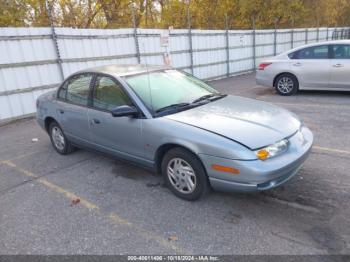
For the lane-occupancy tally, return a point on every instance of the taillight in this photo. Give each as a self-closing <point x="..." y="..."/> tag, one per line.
<point x="262" y="66"/>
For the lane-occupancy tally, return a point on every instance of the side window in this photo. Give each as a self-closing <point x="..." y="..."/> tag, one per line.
<point x="341" y="51"/>
<point x="78" y="89"/>
<point x="108" y="94"/>
<point x="315" y="52"/>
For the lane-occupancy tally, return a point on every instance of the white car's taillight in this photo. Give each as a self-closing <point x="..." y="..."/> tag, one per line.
<point x="262" y="66"/>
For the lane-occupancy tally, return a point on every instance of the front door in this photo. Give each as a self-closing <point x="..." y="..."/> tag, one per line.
<point x="340" y="66"/>
<point x="121" y="136"/>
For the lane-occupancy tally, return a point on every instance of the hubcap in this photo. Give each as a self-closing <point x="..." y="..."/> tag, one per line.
<point x="58" y="138"/>
<point x="181" y="175"/>
<point x="285" y="85"/>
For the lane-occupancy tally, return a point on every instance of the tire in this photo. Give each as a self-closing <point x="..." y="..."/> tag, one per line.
<point x="59" y="140"/>
<point x="179" y="182"/>
<point x="286" y="85"/>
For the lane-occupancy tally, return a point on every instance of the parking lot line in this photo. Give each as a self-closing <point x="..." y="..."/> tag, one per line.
<point x="147" y="234"/>
<point x="50" y="185"/>
<point x="113" y="217"/>
<point x="28" y="154"/>
<point x="331" y="150"/>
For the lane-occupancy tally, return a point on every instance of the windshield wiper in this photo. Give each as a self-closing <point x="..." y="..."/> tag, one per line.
<point x="194" y="103"/>
<point x="206" y="97"/>
<point x="173" y="106"/>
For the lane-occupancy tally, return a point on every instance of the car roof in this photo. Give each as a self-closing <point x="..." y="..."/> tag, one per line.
<point x="124" y="69"/>
<point x="317" y="44"/>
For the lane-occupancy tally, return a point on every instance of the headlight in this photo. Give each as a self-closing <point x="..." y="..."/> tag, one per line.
<point x="272" y="150"/>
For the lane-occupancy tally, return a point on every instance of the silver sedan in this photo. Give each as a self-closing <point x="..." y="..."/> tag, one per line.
<point x="177" y="125"/>
<point x="320" y="66"/>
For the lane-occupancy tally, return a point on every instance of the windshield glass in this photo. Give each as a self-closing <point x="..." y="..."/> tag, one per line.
<point x="169" y="87"/>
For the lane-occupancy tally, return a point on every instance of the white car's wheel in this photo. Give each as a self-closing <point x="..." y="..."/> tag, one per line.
<point x="286" y="84"/>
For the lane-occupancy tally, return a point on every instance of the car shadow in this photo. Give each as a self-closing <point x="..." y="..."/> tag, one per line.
<point x="323" y="93"/>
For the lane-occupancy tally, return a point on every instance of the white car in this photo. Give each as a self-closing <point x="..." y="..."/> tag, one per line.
<point x="317" y="66"/>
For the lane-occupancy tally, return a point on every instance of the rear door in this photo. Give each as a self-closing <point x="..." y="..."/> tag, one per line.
<point x="311" y="65"/>
<point x="340" y="66"/>
<point x="121" y="136"/>
<point x="72" y="109"/>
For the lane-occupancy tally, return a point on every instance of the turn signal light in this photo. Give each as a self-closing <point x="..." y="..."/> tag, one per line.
<point x="262" y="66"/>
<point x="226" y="169"/>
<point x="262" y="154"/>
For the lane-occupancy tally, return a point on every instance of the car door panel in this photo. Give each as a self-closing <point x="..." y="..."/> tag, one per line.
<point x="74" y="122"/>
<point x="118" y="135"/>
<point x="121" y="136"/>
<point x="340" y="67"/>
<point x="312" y="73"/>
<point x="72" y="108"/>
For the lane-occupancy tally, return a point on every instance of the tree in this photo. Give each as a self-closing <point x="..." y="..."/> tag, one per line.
<point x="79" y="14"/>
<point x="37" y="15"/>
<point x="337" y="12"/>
<point x="117" y="13"/>
<point x="12" y="13"/>
<point x="174" y="13"/>
<point x="204" y="14"/>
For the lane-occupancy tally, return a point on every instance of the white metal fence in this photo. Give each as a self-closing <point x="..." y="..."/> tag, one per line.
<point x="35" y="60"/>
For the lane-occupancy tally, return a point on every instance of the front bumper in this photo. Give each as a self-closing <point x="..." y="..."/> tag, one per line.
<point x="257" y="175"/>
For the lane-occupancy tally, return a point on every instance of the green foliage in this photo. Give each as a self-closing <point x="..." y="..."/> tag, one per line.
<point x="203" y="14"/>
<point x="12" y="13"/>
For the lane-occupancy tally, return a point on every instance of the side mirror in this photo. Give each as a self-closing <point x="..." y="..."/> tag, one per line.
<point x="124" y="111"/>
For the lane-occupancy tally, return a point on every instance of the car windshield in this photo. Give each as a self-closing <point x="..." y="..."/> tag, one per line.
<point x="169" y="89"/>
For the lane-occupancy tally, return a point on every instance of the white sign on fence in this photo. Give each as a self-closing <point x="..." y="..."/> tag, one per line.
<point x="164" y="38"/>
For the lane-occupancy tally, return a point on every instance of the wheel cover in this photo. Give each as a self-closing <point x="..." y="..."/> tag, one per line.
<point x="58" y="138"/>
<point x="285" y="85"/>
<point x="181" y="175"/>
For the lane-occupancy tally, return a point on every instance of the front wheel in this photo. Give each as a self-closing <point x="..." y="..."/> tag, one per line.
<point x="59" y="140"/>
<point x="286" y="85"/>
<point x="184" y="174"/>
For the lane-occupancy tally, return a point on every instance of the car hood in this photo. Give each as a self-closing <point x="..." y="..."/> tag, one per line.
<point x="250" y="122"/>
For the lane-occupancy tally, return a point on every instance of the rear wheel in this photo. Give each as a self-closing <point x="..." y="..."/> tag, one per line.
<point x="184" y="174"/>
<point x="58" y="139"/>
<point x="286" y="84"/>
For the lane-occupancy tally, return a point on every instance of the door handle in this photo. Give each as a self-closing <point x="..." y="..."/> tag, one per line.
<point x="61" y="111"/>
<point x="297" y="64"/>
<point x="96" y="121"/>
<point x="338" y="65"/>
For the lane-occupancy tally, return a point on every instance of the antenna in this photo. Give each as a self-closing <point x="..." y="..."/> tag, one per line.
<point x="148" y="76"/>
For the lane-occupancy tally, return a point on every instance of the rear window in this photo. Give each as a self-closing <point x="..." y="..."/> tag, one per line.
<point x="341" y="51"/>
